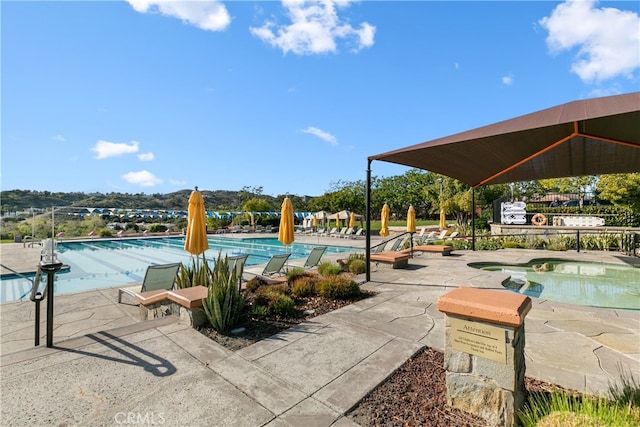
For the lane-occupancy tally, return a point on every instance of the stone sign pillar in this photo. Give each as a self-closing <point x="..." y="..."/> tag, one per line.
<point x="484" y="352"/>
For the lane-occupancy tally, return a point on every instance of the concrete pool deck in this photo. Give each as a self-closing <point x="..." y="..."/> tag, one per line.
<point x="106" y="366"/>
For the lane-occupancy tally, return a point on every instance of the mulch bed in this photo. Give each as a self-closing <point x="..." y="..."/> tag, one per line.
<point x="415" y="395"/>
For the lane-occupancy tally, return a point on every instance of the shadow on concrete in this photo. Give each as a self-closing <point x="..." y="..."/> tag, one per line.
<point x="153" y="363"/>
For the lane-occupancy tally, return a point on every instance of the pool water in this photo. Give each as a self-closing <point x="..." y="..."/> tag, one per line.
<point x="574" y="282"/>
<point x="106" y="263"/>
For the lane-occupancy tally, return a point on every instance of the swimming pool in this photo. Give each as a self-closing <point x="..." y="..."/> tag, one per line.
<point x="106" y="263"/>
<point x="574" y="282"/>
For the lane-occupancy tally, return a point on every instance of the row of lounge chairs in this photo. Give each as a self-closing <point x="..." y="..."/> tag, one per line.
<point x="247" y="229"/>
<point x="161" y="278"/>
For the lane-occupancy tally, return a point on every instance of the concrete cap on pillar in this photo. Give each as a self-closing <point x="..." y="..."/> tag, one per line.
<point x="504" y="308"/>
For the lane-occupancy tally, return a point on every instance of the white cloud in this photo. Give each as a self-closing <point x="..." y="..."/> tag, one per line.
<point x="107" y="149"/>
<point x="607" y="39"/>
<point x="315" y="27"/>
<point x="142" y="178"/>
<point x="209" y="15"/>
<point x="146" y="157"/>
<point x="325" y="136"/>
<point x="59" y="138"/>
<point x="507" y="80"/>
<point x="177" y="182"/>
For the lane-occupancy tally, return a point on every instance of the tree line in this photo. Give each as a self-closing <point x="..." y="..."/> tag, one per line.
<point x="426" y="191"/>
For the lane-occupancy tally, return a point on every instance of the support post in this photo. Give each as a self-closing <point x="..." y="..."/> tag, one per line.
<point x="367" y="250"/>
<point x="51" y="270"/>
<point x="473" y="218"/>
<point x="37" y="327"/>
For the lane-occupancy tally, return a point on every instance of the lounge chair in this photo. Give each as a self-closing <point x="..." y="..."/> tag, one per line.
<point x="332" y="232"/>
<point x="397" y="245"/>
<point x="359" y="233"/>
<point x="268" y="229"/>
<point x="314" y="257"/>
<point x="348" y="233"/>
<point x="452" y="235"/>
<point x="342" y="232"/>
<point x="433" y="237"/>
<point x="430" y="237"/>
<point x="236" y="264"/>
<point x="157" y="277"/>
<point x="259" y="229"/>
<point x="274" y="267"/>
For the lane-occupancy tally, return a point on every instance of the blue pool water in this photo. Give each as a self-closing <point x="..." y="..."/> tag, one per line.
<point x="574" y="282"/>
<point x="107" y="263"/>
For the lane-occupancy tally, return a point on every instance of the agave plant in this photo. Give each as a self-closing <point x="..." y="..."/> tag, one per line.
<point x="223" y="304"/>
<point x="198" y="273"/>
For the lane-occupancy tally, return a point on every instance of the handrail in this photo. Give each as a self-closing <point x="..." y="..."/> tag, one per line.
<point x="35" y="295"/>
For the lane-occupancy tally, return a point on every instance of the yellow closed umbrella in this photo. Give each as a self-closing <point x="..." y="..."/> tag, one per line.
<point x="411" y="224"/>
<point x="443" y="220"/>
<point x="196" y="240"/>
<point x="411" y="220"/>
<point x="384" y="221"/>
<point x="352" y="220"/>
<point x="315" y="222"/>
<point x="285" y="232"/>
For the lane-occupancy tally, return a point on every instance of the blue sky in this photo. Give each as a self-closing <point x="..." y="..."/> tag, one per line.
<point x="143" y="96"/>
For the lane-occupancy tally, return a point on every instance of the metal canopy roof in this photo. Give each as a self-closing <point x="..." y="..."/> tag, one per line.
<point x="587" y="137"/>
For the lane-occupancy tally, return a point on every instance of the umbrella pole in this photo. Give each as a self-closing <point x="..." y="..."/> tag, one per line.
<point x="411" y="243"/>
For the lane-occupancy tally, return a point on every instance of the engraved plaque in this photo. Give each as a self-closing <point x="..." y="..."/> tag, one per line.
<point x="479" y="339"/>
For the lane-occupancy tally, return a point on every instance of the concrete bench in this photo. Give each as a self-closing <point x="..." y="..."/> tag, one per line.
<point x="396" y="259"/>
<point x="443" y="249"/>
<point x="185" y="303"/>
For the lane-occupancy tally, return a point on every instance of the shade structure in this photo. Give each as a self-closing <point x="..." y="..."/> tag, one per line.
<point x="443" y="220"/>
<point x="587" y="137"/>
<point x="196" y="240"/>
<point x="352" y="220"/>
<point x="286" y="230"/>
<point x="384" y="221"/>
<point x="411" y="220"/>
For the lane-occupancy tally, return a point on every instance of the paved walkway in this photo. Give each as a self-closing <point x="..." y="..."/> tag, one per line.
<point x="115" y="370"/>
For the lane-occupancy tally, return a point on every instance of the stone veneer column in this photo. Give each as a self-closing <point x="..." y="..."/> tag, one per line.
<point x="492" y="389"/>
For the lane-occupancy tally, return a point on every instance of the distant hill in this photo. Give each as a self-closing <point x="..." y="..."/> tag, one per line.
<point x="218" y="200"/>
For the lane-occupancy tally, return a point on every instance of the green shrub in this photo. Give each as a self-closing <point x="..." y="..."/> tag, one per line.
<point x="297" y="273"/>
<point x="283" y="306"/>
<point x="254" y="283"/>
<point x="459" y="244"/>
<point x="157" y="228"/>
<point x="563" y="409"/>
<point x="353" y="257"/>
<point x="224" y="303"/>
<point x="304" y="287"/>
<point x="266" y="294"/>
<point x="338" y="287"/>
<point x="357" y="266"/>
<point x="628" y="392"/>
<point x="259" y="310"/>
<point x="329" y="268"/>
<point x="509" y="244"/>
<point x="105" y="232"/>
<point x="488" y="245"/>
